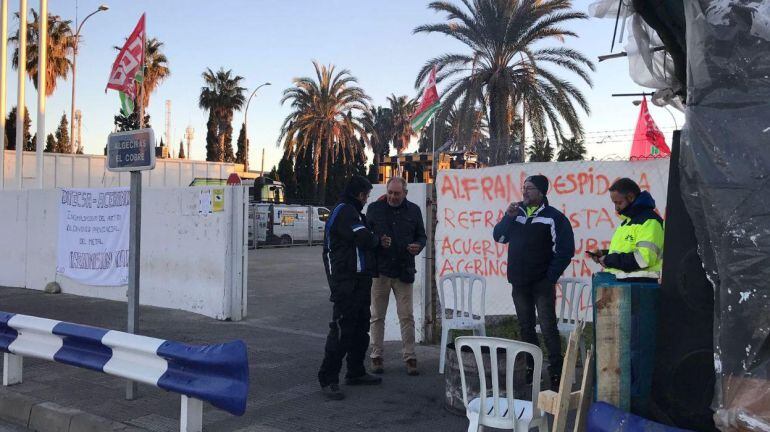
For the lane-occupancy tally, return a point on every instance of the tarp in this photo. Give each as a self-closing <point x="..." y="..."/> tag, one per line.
<point x="725" y="167"/>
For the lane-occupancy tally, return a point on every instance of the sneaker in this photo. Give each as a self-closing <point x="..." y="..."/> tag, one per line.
<point x="411" y="367"/>
<point x="365" y="379"/>
<point x="378" y="365"/>
<point x="332" y="392"/>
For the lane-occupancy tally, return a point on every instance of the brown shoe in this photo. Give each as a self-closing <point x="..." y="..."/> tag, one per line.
<point x="377" y="365"/>
<point x="411" y="367"/>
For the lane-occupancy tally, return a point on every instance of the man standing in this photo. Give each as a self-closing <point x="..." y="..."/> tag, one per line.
<point x="348" y="256"/>
<point x="399" y="221"/>
<point x="540" y="246"/>
<point x="636" y="250"/>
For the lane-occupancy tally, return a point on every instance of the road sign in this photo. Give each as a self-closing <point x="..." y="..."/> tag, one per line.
<point x="131" y="151"/>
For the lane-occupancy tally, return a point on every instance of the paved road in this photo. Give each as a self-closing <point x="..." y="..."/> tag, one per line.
<point x="7" y="427"/>
<point x="285" y="332"/>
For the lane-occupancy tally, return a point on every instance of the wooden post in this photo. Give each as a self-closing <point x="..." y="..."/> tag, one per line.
<point x="611" y="342"/>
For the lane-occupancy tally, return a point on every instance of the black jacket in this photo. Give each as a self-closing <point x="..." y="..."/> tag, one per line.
<point x="539" y="246"/>
<point x="404" y="225"/>
<point x="348" y="242"/>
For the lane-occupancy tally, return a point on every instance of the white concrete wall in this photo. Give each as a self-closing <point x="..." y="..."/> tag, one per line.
<point x="417" y="194"/>
<point x="88" y="171"/>
<point x="189" y="261"/>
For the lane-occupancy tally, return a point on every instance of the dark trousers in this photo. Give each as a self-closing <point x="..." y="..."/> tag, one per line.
<point x="348" y="330"/>
<point x="541" y="296"/>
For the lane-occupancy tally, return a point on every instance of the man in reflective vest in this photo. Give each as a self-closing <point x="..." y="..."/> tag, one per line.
<point x="636" y="250"/>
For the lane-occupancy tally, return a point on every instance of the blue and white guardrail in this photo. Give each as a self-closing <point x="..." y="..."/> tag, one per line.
<point x="218" y="374"/>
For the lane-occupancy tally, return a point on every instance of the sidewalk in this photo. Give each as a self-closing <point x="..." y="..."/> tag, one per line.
<point x="288" y="313"/>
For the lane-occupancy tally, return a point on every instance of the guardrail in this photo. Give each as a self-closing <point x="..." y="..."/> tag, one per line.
<point x="218" y="374"/>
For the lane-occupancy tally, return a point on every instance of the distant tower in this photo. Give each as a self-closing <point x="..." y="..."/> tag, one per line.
<point x="188" y="135"/>
<point x="169" y="143"/>
<point x="77" y="139"/>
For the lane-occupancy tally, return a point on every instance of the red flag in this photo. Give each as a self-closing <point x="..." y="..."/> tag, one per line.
<point x="127" y="68"/>
<point x="648" y="139"/>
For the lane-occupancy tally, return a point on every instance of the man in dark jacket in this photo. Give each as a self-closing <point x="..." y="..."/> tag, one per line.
<point x="399" y="222"/>
<point x="540" y="247"/>
<point x="348" y="256"/>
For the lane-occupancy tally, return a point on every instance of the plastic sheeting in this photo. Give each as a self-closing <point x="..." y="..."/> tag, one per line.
<point x="646" y="66"/>
<point x="725" y="168"/>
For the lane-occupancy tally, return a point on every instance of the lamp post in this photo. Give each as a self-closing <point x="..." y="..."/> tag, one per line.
<point x="101" y="8"/>
<point x="245" y="129"/>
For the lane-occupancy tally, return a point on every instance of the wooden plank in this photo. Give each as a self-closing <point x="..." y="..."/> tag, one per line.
<point x="567" y="374"/>
<point x="548" y="401"/>
<point x="586" y="393"/>
<point x="608" y="344"/>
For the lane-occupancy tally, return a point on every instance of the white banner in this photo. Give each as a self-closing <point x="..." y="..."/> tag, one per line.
<point x="93" y="236"/>
<point x="471" y="202"/>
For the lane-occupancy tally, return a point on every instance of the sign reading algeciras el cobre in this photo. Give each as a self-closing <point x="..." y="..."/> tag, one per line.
<point x="93" y="236"/>
<point x="131" y="151"/>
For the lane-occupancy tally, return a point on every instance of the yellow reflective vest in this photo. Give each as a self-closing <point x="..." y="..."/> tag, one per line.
<point x="636" y="250"/>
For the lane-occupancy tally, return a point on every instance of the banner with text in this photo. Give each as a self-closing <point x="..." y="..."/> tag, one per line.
<point x="93" y="236"/>
<point x="471" y="202"/>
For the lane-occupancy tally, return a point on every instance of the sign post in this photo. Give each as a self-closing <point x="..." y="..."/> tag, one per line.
<point x="132" y="151"/>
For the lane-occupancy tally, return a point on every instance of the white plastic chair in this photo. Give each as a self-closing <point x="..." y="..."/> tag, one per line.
<point x="463" y="288"/>
<point x="500" y="409"/>
<point x="569" y="313"/>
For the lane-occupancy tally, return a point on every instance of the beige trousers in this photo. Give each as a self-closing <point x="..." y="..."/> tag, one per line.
<point x="381" y="288"/>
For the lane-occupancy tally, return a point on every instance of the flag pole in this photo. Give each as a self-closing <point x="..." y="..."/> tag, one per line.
<point x="134" y="233"/>
<point x="434" y="165"/>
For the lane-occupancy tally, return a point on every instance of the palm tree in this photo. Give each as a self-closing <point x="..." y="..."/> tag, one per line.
<point x="572" y="149"/>
<point x="540" y="151"/>
<point x="221" y="96"/>
<point x="323" y="120"/>
<point x="60" y="45"/>
<point x="505" y="67"/>
<point x="156" y="68"/>
<point x="379" y="126"/>
<point x="402" y="109"/>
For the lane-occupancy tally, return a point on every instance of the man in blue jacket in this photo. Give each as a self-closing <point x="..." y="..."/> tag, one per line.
<point x="349" y="261"/>
<point x="540" y="247"/>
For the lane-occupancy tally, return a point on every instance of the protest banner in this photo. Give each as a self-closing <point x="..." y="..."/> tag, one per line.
<point x="471" y="202"/>
<point x="93" y="236"/>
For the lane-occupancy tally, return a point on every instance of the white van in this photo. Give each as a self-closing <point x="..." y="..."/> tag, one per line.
<point x="286" y="224"/>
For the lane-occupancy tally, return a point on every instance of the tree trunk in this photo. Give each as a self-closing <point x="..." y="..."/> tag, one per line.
<point x="500" y="134"/>
<point x="323" y="174"/>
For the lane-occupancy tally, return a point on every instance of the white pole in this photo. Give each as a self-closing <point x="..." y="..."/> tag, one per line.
<point x="41" y="90"/>
<point x="20" y="104"/>
<point x="3" y="82"/>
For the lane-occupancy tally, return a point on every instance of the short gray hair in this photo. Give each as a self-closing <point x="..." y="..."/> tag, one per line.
<point x="397" y="179"/>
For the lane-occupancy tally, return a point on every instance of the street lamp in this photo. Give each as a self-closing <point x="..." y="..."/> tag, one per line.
<point x="676" y="126"/>
<point x="101" y="8"/>
<point x="245" y="130"/>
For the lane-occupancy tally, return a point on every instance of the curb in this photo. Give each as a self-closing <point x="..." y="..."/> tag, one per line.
<point x="44" y="416"/>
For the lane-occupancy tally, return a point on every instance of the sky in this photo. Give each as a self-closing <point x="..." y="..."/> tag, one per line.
<point x="275" y="41"/>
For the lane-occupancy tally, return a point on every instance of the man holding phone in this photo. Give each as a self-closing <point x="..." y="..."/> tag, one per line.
<point x="541" y="245"/>
<point x="636" y="250"/>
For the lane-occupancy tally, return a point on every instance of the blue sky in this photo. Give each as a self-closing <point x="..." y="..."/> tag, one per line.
<point x="276" y="41"/>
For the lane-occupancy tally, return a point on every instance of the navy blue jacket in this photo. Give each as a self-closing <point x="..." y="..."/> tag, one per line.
<point x="349" y="242"/>
<point x="539" y="246"/>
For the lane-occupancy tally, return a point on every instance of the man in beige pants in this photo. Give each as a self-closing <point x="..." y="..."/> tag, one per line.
<point x="398" y="222"/>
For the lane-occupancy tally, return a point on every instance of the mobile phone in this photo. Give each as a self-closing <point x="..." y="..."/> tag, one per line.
<point x="590" y="253"/>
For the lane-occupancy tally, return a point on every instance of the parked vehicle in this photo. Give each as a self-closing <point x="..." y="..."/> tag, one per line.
<point x="286" y="224"/>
